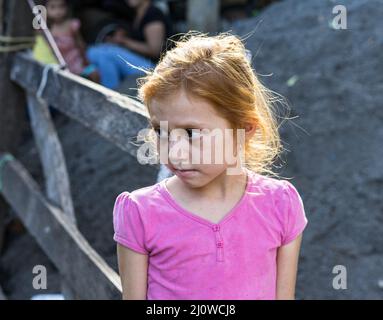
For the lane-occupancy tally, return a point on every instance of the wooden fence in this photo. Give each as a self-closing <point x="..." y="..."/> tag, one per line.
<point x="49" y="216"/>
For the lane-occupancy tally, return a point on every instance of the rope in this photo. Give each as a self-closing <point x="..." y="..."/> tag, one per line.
<point x="3" y="160"/>
<point x="44" y="78"/>
<point x="16" y="47"/>
<point x="9" y="39"/>
<point x="11" y="44"/>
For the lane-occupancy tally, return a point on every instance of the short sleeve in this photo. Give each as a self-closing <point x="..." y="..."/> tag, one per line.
<point x="153" y="14"/>
<point x="129" y="228"/>
<point x="294" y="218"/>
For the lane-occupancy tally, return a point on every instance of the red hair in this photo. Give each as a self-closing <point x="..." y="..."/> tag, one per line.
<point x="216" y="68"/>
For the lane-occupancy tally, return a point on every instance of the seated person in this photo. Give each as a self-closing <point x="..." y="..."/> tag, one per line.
<point x="141" y="45"/>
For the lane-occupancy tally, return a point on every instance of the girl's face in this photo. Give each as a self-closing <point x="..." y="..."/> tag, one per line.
<point x="195" y="156"/>
<point x="57" y="10"/>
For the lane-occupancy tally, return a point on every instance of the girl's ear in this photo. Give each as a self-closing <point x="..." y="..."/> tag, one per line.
<point x="250" y="130"/>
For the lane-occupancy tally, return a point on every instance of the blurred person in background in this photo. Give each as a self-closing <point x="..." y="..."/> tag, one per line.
<point x="141" y="44"/>
<point x="66" y="33"/>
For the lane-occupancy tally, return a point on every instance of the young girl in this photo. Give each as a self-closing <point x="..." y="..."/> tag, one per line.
<point x="205" y="233"/>
<point x="66" y="32"/>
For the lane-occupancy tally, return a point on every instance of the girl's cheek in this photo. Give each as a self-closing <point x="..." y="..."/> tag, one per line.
<point x="200" y="151"/>
<point x="163" y="150"/>
<point x="210" y="150"/>
<point x="196" y="152"/>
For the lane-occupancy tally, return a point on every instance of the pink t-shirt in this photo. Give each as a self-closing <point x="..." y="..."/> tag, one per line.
<point x="193" y="258"/>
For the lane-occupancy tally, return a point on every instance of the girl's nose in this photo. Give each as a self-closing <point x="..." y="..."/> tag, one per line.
<point x="179" y="149"/>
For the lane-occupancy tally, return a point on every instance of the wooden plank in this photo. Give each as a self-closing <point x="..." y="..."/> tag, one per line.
<point x="85" y="270"/>
<point x="12" y="98"/>
<point x="57" y="186"/>
<point x="17" y="12"/>
<point x="12" y="106"/>
<point x="51" y="155"/>
<point x="110" y="114"/>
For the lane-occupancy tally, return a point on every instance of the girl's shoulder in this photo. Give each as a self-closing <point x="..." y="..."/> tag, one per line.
<point x="136" y="208"/>
<point x="74" y="24"/>
<point x="281" y="193"/>
<point x="131" y="218"/>
<point x="268" y="185"/>
<point x="71" y="25"/>
<point x="281" y="202"/>
<point x="68" y="28"/>
<point x="142" y="196"/>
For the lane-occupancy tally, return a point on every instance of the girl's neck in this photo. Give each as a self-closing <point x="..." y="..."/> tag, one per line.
<point x="219" y="188"/>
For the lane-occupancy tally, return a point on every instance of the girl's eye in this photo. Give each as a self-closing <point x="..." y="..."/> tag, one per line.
<point x="160" y="133"/>
<point x="193" y="133"/>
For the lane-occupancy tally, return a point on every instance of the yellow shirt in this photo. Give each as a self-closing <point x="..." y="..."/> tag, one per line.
<point x="42" y="51"/>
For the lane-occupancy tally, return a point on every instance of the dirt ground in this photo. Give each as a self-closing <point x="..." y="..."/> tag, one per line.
<point x="333" y="80"/>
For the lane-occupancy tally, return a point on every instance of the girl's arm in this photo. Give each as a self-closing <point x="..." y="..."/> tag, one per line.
<point x="133" y="267"/>
<point x="287" y="265"/>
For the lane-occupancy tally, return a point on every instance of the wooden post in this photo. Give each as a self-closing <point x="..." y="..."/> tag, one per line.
<point x="14" y="17"/>
<point x="18" y="18"/>
<point x="12" y="107"/>
<point x="81" y="266"/>
<point x="203" y="15"/>
<point x="57" y="185"/>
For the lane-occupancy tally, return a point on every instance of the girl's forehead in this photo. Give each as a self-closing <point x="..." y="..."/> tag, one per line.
<point x="185" y="110"/>
<point x="179" y="99"/>
<point x="182" y="120"/>
<point x="176" y="120"/>
<point x="181" y="108"/>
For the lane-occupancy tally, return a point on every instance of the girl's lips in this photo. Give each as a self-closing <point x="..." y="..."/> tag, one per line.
<point x="185" y="173"/>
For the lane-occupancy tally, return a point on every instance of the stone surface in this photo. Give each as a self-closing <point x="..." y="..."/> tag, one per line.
<point x="335" y="144"/>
